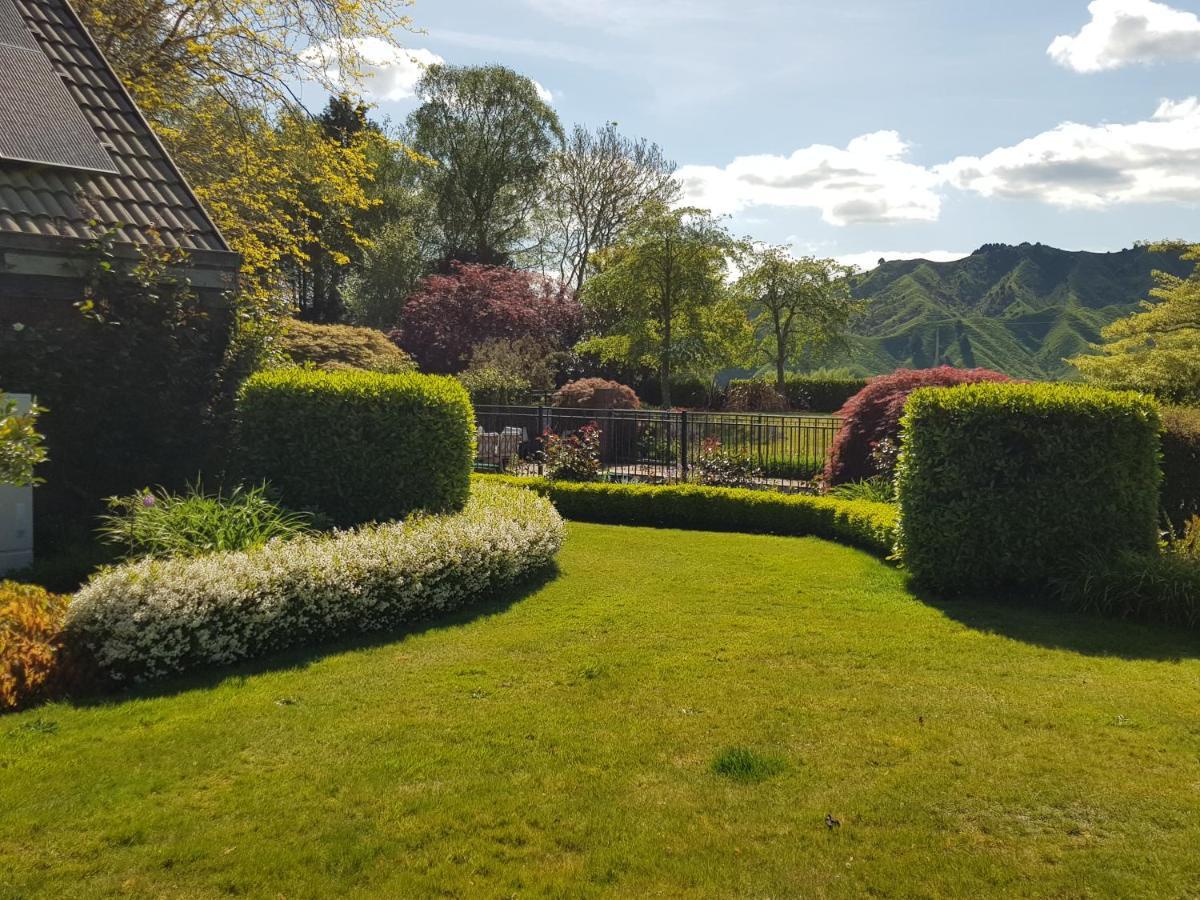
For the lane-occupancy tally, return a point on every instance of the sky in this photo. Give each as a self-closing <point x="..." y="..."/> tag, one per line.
<point x="861" y="129"/>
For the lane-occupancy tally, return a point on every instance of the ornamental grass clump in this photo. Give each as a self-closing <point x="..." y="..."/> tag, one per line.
<point x="153" y="617"/>
<point x="755" y="396"/>
<point x="1153" y="588"/>
<point x="159" y="523"/>
<point x="1181" y="464"/>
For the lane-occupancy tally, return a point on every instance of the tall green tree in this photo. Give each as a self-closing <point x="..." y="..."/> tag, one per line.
<point x="391" y="269"/>
<point x="659" y="296"/>
<point x="491" y="137"/>
<point x="795" y="305"/>
<point x="1156" y="350"/>
<point x="383" y="234"/>
<point x="594" y="186"/>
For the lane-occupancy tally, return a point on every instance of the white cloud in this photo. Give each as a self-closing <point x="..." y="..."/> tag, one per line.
<point x="388" y="73"/>
<point x="867" y="182"/>
<point x="1123" y="32"/>
<point x="869" y="259"/>
<point x="1092" y="166"/>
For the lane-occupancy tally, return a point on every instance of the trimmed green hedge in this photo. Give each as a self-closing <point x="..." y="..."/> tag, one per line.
<point x="358" y="446"/>
<point x="1011" y="485"/>
<point x="811" y="393"/>
<point x="687" y="391"/>
<point x="1181" y="464"/>
<point x="859" y="523"/>
<point x="821" y="394"/>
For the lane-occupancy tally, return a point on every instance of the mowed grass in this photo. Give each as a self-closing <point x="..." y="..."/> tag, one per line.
<point x="674" y="715"/>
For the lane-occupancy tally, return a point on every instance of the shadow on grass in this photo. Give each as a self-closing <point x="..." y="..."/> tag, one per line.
<point x="1045" y="624"/>
<point x="300" y="658"/>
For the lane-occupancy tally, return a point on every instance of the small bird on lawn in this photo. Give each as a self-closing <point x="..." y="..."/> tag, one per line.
<point x="832" y="823"/>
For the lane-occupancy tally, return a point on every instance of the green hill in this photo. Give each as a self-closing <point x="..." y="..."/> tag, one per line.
<point x="1020" y="310"/>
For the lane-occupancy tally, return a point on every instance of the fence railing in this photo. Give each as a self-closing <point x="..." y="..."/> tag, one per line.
<point x="783" y="451"/>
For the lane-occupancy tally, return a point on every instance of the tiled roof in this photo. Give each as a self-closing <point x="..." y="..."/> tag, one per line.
<point x="147" y="201"/>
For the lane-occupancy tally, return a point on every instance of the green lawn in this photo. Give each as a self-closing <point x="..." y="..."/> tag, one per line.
<point x="566" y="743"/>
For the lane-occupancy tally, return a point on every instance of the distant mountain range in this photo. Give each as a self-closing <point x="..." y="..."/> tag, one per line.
<point x="1020" y="310"/>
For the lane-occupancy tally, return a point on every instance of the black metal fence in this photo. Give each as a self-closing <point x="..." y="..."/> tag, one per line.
<point x="785" y="452"/>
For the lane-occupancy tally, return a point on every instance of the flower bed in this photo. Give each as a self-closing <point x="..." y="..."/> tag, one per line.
<point x="153" y="617"/>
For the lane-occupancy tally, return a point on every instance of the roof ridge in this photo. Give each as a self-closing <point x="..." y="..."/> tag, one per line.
<point x="187" y="186"/>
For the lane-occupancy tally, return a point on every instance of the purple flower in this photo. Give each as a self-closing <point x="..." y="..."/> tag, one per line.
<point x="147" y="500"/>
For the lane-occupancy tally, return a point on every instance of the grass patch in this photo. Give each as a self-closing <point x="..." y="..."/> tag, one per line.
<point x="746" y="765"/>
<point x="561" y="743"/>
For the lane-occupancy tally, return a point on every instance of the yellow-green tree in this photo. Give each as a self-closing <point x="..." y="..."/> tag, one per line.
<point x="1156" y="350"/>
<point x="214" y="78"/>
<point x="250" y="52"/>
<point x="659" y="296"/>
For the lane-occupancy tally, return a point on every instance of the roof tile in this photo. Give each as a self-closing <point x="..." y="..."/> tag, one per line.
<point x="148" y="197"/>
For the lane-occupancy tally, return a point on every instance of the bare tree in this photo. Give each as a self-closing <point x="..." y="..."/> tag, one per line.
<point x="593" y="188"/>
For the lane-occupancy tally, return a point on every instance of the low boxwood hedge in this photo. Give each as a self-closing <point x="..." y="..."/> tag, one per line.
<point x="1014" y="485"/>
<point x="859" y="523"/>
<point x="358" y="446"/>
<point x="152" y="617"/>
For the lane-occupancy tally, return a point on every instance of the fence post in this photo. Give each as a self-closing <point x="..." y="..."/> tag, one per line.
<point x="541" y="430"/>
<point x="683" y="445"/>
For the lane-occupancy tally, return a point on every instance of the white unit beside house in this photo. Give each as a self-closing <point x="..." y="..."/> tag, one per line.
<point x="16" y="517"/>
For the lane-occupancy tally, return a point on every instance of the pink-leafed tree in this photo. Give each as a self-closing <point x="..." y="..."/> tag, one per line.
<point x="450" y="315"/>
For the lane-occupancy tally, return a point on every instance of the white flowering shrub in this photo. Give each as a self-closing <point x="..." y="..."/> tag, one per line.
<point x="152" y="617"/>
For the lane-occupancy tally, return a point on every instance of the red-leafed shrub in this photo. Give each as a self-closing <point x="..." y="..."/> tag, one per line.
<point x="574" y="456"/>
<point x="450" y="315"/>
<point x="595" y="393"/>
<point x="871" y="418"/>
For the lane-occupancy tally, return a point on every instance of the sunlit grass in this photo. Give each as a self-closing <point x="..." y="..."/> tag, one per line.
<point x="569" y="743"/>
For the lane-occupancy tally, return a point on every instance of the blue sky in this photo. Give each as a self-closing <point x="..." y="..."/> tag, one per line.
<point x="861" y="128"/>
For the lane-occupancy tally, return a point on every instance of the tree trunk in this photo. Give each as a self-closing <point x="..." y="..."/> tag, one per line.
<point x="780" y="375"/>
<point x="668" y="307"/>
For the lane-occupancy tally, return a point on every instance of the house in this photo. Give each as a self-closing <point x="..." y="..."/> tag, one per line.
<point x="77" y="157"/>
<point x="78" y="161"/>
